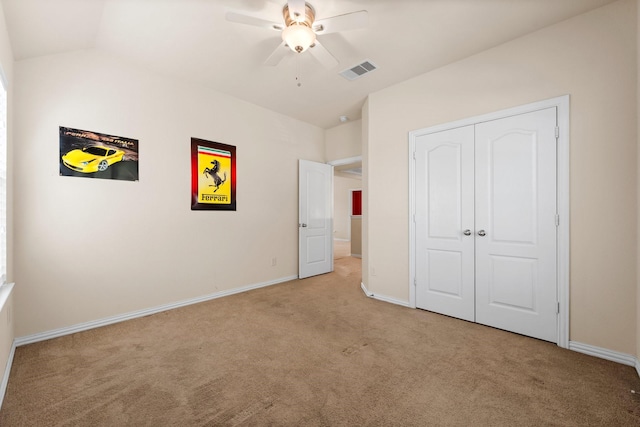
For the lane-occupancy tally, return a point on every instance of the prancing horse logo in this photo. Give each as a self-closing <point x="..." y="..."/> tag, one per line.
<point x="213" y="173"/>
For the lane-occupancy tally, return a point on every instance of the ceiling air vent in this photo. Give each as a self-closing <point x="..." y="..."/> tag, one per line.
<point x="359" y="70"/>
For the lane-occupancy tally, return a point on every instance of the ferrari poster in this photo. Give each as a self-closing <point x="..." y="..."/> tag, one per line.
<point x="213" y="180"/>
<point x="97" y="155"/>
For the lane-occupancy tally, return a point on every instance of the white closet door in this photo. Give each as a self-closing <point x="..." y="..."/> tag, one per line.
<point x="444" y="210"/>
<point x="516" y="224"/>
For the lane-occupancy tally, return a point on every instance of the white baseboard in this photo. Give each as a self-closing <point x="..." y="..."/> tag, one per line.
<point x="356" y="255"/>
<point x="591" y="350"/>
<point x="47" y="335"/>
<point x="7" y="371"/>
<point x="392" y="300"/>
<point x="341" y="240"/>
<point x="603" y="353"/>
<point x="383" y="297"/>
<point x="365" y="290"/>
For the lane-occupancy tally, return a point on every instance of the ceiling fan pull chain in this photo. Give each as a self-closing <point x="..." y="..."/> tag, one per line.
<point x="298" y="79"/>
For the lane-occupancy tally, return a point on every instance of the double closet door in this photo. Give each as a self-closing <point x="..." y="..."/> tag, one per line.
<point x="486" y="223"/>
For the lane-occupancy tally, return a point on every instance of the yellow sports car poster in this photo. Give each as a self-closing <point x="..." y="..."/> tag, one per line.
<point x="97" y="155"/>
<point x="213" y="185"/>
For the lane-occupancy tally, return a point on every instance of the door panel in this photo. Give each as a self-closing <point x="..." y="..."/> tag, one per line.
<point x="316" y="249"/>
<point x="512" y="282"/>
<point x="515" y="210"/>
<point x="513" y="187"/>
<point x="444" y="209"/>
<point x="443" y="190"/>
<point x="317" y="194"/>
<point x="444" y="272"/>
<point x="315" y="215"/>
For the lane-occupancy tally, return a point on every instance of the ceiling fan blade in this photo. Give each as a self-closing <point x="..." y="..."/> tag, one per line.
<point x="323" y="55"/>
<point x="348" y="21"/>
<point x="276" y="56"/>
<point x="250" y="20"/>
<point x="296" y="10"/>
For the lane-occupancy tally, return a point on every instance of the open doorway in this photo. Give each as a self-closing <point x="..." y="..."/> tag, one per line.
<point x="347" y="208"/>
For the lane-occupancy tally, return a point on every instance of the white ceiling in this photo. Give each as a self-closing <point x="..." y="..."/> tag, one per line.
<point x="191" y="40"/>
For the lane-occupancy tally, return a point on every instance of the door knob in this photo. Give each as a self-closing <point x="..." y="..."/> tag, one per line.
<point x="303" y="225"/>
<point x="482" y="233"/>
<point x="467" y="232"/>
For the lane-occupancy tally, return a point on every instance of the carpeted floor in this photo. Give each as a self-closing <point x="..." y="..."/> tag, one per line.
<point x="315" y="352"/>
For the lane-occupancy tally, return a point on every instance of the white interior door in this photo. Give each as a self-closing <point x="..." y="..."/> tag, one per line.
<point x="444" y="222"/>
<point x="315" y="219"/>
<point x="516" y="224"/>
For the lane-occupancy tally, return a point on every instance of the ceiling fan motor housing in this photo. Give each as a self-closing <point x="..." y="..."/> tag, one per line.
<point x="309" y="16"/>
<point x="299" y="28"/>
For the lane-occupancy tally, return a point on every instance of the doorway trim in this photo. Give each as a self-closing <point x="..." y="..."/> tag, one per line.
<point x="345" y="161"/>
<point x="563" y="230"/>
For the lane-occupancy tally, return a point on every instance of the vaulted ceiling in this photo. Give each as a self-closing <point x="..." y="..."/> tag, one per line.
<point x="192" y="40"/>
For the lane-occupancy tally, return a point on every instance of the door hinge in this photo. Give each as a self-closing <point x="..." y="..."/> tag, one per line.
<point x="414" y="218"/>
<point x="557" y="132"/>
<point x="415" y="282"/>
<point x="557" y="220"/>
<point x="414" y="155"/>
<point x="558" y="308"/>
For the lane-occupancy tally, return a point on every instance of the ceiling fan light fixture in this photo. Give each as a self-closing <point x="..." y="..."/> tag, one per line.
<point x="298" y="37"/>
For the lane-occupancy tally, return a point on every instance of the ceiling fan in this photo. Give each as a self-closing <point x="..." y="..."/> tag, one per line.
<point x="300" y="30"/>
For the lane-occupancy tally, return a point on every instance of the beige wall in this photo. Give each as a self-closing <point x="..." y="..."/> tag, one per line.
<point x="341" y="204"/>
<point x="344" y="141"/>
<point x="591" y="57"/>
<point x="87" y="249"/>
<point x="356" y="236"/>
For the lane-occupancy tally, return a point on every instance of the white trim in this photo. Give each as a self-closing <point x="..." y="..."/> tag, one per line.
<point x="356" y="255"/>
<point x="341" y="240"/>
<point x="42" y="336"/>
<point x="7" y="371"/>
<point x="3" y="80"/>
<point x="346" y="161"/>
<point x="563" y="199"/>
<point x="5" y="291"/>
<point x="333" y="207"/>
<point x="365" y="290"/>
<point x="383" y="297"/>
<point x="603" y="353"/>
<point x="390" y="300"/>
<point x="563" y="206"/>
<point x="412" y="224"/>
